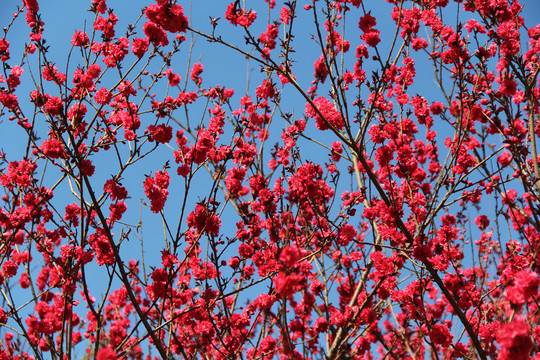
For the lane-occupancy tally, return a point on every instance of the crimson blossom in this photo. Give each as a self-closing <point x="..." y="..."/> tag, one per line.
<point x="270" y="179"/>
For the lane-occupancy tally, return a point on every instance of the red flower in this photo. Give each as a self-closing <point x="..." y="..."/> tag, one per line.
<point x="367" y="22"/>
<point x="337" y="149"/>
<point x="50" y="73"/>
<point x="515" y="340"/>
<point x="402" y="99"/>
<point x="54" y="106"/>
<point x="525" y="286"/>
<point x="205" y="143"/>
<point x="267" y="345"/>
<point x="440" y="334"/>
<point x="102" y="96"/>
<point x="10" y="268"/>
<point x="328" y="110"/>
<point x="505" y="159"/>
<point x="139" y="47"/>
<point x="19" y="173"/>
<point x="87" y="168"/>
<point x="419" y="43"/>
<point x="73" y="211"/>
<point x="3" y="316"/>
<point x="482" y="221"/>
<point x="508" y="87"/>
<point x="284" y="15"/>
<point x="290" y="255"/>
<point x="79" y="38"/>
<point x="346" y="234"/>
<point x="117" y="210"/>
<point x="370" y="36"/>
<point x="156" y="190"/>
<point x="173" y="78"/>
<point x="195" y="72"/>
<point x="321" y="71"/>
<point x="13" y="80"/>
<point x="31" y="5"/>
<point x="116" y="191"/>
<point x="233" y="181"/>
<point x="204" y="221"/>
<point x="265" y="90"/>
<point x="155" y="34"/>
<point x="285" y="284"/>
<point x="160" y="133"/>
<point x="4" y="49"/>
<point x="100" y="6"/>
<point x="321" y="325"/>
<point x="106" y="353"/>
<point x="436" y="108"/>
<point x="169" y="17"/>
<point x="9" y="100"/>
<point x="240" y="16"/>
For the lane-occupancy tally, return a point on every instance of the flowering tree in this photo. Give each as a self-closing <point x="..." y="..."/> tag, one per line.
<point x="334" y="204"/>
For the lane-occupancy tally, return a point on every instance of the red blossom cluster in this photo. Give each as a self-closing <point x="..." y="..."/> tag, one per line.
<point x="330" y="115"/>
<point x="155" y="189"/>
<point x="237" y="16"/>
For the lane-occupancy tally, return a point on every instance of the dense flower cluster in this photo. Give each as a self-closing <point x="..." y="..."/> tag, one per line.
<point x="330" y="115"/>
<point x="156" y="189"/>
